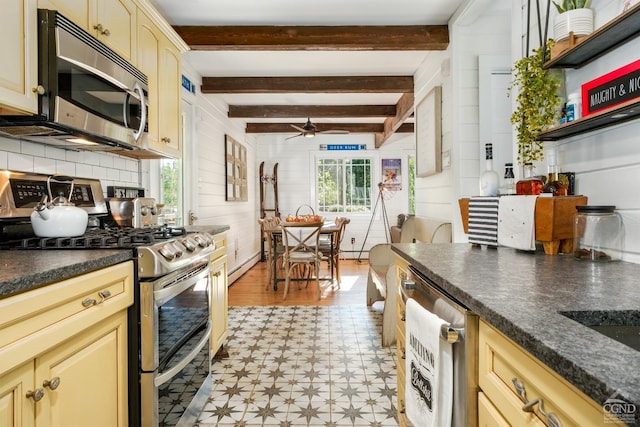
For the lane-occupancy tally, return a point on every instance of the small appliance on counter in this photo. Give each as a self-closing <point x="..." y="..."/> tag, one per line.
<point x="136" y="212"/>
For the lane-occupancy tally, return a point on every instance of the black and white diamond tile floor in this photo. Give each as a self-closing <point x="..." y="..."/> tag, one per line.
<point x="315" y="366"/>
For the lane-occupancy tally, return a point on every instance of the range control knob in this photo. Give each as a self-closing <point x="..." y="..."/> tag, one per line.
<point x="200" y="240"/>
<point x="190" y="244"/>
<point x="168" y="251"/>
<point x="178" y="248"/>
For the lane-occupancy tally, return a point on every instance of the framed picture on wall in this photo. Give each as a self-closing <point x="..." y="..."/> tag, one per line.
<point x="392" y="174"/>
<point x="429" y="134"/>
<point x="236" y="169"/>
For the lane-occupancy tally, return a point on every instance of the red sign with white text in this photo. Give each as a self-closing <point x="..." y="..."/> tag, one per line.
<point x="611" y="89"/>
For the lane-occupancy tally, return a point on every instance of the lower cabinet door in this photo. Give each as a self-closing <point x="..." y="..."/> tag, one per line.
<point x="219" y="304"/>
<point x="85" y="378"/>
<point x="16" y="410"/>
<point x="488" y="415"/>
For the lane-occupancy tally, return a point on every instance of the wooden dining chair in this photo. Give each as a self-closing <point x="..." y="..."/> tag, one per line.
<point x="330" y="247"/>
<point x="301" y="253"/>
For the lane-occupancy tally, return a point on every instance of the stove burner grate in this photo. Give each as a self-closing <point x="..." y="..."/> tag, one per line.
<point x="110" y="238"/>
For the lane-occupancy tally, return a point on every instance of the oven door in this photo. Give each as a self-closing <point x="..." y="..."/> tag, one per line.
<point x="174" y="340"/>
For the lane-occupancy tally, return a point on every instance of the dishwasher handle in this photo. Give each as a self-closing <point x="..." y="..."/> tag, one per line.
<point x="451" y="335"/>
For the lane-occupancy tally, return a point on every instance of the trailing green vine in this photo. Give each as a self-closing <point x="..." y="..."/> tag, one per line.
<point x="537" y="103"/>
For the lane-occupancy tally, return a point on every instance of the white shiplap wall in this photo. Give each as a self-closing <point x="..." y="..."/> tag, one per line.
<point x="607" y="162"/>
<point x="206" y="164"/>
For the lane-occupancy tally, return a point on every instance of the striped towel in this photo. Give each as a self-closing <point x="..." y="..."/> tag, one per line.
<point x="483" y="220"/>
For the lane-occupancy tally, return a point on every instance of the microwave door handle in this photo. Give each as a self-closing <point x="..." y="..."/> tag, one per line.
<point x="143" y="111"/>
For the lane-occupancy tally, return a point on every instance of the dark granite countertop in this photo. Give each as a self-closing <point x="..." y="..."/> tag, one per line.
<point x="23" y="270"/>
<point x="521" y="294"/>
<point x="211" y="229"/>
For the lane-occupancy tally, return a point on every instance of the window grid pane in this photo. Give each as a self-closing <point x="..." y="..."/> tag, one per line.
<point x="344" y="185"/>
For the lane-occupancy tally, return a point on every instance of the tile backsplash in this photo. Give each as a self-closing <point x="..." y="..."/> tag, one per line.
<point x="110" y="169"/>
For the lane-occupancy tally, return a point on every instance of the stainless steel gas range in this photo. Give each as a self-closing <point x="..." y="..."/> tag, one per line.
<point x="169" y="323"/>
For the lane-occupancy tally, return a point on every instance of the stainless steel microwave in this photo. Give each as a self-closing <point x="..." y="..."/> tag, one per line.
<point x="89" y="97"/>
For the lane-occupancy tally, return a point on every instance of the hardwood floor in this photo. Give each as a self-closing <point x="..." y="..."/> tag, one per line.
<point x="249" y="290"/>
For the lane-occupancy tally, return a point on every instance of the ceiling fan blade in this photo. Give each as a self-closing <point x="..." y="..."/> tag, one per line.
<point x="294" y="136"/>
<point x="298" y="128"/>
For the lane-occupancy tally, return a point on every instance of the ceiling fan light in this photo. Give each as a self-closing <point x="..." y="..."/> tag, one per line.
<point x="309" y="134"/>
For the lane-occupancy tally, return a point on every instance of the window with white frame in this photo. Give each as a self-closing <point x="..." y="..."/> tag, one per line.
<point x="343" y="185"/>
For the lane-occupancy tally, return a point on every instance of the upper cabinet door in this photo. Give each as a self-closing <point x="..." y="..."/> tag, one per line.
<point x="112" y="22"/>
<point x="115" y="26"/>
<point x="76" y="10"/>
<point x="19" y="70"/>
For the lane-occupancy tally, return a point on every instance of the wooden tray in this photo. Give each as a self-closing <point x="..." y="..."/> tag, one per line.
<point x="553" y="221"/>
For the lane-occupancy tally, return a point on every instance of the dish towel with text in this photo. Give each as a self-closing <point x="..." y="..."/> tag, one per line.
<point x="516" y="222"/>
<point x="429" y="369"/>
<point x="483" y="220"/>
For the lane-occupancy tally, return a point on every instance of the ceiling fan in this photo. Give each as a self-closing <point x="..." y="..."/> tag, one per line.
<point x="309" y="130"/>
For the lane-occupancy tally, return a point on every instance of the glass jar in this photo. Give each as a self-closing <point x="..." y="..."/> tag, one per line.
<point x="598" y="233"/>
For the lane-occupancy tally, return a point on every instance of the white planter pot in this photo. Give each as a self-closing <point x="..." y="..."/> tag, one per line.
<point x="578" y="21"/>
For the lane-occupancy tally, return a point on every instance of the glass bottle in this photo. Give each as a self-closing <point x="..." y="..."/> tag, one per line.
<point x="530" y="185"/>
<point x="553" y="184"/>
<point x="489" y="180"/>
<point x="509" y="186"/>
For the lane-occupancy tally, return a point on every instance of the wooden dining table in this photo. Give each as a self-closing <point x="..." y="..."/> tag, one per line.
<point x="328" y="228"/>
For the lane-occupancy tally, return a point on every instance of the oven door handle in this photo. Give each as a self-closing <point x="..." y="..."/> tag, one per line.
<point x="166" y="376"/>
<point x="164" y="294"/>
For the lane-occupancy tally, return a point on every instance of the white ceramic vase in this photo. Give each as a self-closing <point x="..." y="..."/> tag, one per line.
<point x="578" y="21"/>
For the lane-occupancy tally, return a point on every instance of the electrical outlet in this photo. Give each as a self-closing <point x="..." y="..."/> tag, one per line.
<point x="353" y="240"/>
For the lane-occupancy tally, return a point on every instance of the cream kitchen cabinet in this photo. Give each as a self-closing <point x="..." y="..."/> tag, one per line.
<point x="63" y="352"/>
<point x="219" y="295"/>
<point x="502" y="364"/>
<point x="19" y="70"/>
<point x="113" y="22"/>
<point x="159" y="59"/>
<point x="401" y="276"/>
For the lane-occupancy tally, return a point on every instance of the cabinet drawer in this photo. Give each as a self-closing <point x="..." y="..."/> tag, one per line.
<point x="33" y="321"/>
<point x="501" y="360"/>
<point x="221" y="246"/>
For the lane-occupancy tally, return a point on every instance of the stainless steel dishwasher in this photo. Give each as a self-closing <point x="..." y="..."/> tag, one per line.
<point x="462" y="333"/>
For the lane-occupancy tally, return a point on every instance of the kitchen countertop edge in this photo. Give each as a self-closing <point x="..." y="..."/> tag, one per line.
<point x="22" y="271"/>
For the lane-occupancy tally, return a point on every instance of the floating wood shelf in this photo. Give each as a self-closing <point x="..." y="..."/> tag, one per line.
<point x="630" y="110"/>
<point x="553" y="221"/>
<point x="611" y="35"/>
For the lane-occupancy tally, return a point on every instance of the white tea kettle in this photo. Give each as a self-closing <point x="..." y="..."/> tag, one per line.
<point x="58" y="217"/>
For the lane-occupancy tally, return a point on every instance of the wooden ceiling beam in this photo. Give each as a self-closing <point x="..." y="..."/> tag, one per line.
<point x="349" y="38"/>
<point x="320" y="127"/>
<point x="306" y="111"/>
<point x="319" y="84"/>
<point x="404" y="109"/>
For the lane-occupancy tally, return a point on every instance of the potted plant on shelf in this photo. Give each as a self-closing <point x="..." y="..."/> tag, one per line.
<point x="574" y="16"/>
<point x="537" y="102"/>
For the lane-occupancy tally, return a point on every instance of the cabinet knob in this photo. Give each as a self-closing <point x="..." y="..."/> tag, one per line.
<point x="104" y="295"/>
<point x="102" y="30"/>
<point x="53" y="383"/>
<point x="166" y="140"/>
<point x="88" y="302"/>
<point x="36" y="394"/>
<point x="530" y="405"/>
<point x="38" y="89"/>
